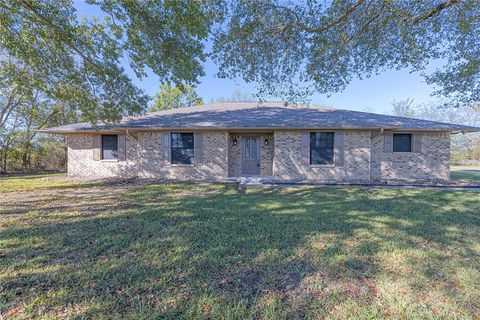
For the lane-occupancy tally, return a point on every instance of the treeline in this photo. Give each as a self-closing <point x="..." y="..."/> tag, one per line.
<point x="23" y="111"/>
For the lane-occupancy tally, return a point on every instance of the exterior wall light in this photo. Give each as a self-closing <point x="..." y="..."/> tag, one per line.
<point x="235" y="141"/>
<point x="266" y="142"/>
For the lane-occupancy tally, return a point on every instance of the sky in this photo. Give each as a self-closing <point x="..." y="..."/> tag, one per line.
<point x="375" y="94"/>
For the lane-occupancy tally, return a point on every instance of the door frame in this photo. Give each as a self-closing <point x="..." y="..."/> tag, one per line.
<point x="259" y="155"/>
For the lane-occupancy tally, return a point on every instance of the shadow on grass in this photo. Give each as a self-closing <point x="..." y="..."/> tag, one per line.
<point x="209" y="251"/>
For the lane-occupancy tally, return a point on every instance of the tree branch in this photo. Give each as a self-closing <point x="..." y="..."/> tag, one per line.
<point x="306" y="28"/>
<point x="67" y="39"/>
<point x="9" y="106"/>
<point x="341" y="18"/>
<point x="435" y="11"/>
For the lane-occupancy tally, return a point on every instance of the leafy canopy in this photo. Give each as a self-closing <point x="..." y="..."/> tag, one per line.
<point x="324" y="44"/>
<point x="171" y="97"/>
<point x="79" y="60"/>
<point x="290" y="48"/>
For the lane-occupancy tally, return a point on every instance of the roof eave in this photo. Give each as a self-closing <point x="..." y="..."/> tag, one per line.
<point x="139" y="129"/>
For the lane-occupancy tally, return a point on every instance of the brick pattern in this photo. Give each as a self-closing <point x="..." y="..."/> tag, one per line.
<point x="81" y="165"/>
<point x="235" y="154"/>
<point x="152" y="166"/>
<point x="267" y="151"/>
<point x="365" y="159"/>
<point x="432" y="163"/>
<point x="288" y="164"/>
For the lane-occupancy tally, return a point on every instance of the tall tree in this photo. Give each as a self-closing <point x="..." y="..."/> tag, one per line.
<point x="80" y="59"/>
<point x="171" y="97"/>
<point x="290" y="48"/>
<point x="324" y="44"/>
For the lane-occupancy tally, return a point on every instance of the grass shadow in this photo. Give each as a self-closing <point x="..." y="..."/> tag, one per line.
<point x="208" y="251"/>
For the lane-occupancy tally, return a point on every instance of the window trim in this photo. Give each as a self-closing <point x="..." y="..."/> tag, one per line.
<point x="102" y="158"/>
<point x="332" y="164"/>
<point x="411" y="142"/>
<point x="171" y="150"/>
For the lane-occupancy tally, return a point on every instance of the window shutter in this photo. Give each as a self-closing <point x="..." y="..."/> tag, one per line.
<point x="122" y="147"/>
<point x="388" y="142"/>
<point x="417" y="142"/>
<point x="305" y="141"/>
<point x="97" y="146"/>
<point x="166" y="147"/>
<point x="339" y="153"/>
<point x="198" y="148"/>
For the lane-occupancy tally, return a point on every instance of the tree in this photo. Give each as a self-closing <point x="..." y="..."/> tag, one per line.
<point x="79" y="60"/>
<point x="403" y="108"/>
<point x="236" y="96"/>
<point x="171" y="97"/>
<point x="322" y="45"/>
<point x="290" y="48"/>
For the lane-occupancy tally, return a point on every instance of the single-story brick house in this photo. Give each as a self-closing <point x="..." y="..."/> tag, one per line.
<point x="219" y="141"/>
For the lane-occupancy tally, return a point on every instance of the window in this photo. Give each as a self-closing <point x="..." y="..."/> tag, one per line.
<point x="109" y="146"/>
<point x="402" y="142"/>
<point x="321" y="148"/>
<point x="182" y="148"/>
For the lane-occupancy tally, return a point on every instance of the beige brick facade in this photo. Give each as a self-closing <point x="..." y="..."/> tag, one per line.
<point x="364" y="159"/>
<point x="81" y="165"/>
<point x="431" y="163"/>
<point x="288" y="164"/>
<point x="152" y="165"/>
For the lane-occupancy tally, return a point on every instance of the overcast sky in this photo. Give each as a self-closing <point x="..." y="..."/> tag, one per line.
<point x="374" y="94"/>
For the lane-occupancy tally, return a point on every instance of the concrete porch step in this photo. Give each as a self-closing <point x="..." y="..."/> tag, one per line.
<point x="253" y="181"/>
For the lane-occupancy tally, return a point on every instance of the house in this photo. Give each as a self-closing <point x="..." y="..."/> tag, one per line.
<point x="218" y="141"/>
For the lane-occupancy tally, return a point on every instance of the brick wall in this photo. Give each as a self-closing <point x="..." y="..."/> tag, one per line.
<point x="82" y="166"/>
<point x="432" y="163"/>
<point x="288" y="164"/>
<point x="152" y="165"/>
<point x="364" y="156"/>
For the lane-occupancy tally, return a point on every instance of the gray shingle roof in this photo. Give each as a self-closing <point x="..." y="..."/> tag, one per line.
<point x="270" y="115"/>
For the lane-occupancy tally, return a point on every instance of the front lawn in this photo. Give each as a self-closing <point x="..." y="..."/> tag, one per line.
<point x="464" y="175"/>
<point x="27" y="182"/>
<point x="212" y="252"/>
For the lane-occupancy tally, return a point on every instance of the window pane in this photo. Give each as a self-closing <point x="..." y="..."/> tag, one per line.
<point x="182" y="148"/>
<point x="247" y="148"/>
<point x="109" y="146"/>
<point x="254" y="148"/>
<point x="321" y="147"/>
<point x="402" y="142"/>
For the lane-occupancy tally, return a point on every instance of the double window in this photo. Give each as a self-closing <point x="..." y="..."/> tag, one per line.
<point x="402" y="142"/>
<point x="182" y="148"/>
<point x="109" y="146"/>
<point x="321" y="147"/>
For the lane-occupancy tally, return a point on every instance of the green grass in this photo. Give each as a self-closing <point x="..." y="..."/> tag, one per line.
<point x="15" y="183"/>
<point x="474" y="175"/>
<point x="464" y="175"/>
<point x="212" y="252"/>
